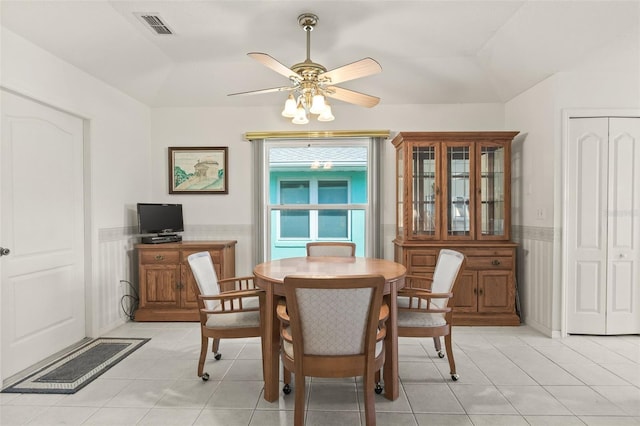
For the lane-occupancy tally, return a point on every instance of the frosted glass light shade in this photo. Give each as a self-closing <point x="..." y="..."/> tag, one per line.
<point x="301" y="115"/>
<point x="289" y="107"/>
<point x="326" y="114"/>
<point x="317" y="105"/>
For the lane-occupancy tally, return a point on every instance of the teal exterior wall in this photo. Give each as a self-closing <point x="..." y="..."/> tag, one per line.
<point x="357" y="195"/>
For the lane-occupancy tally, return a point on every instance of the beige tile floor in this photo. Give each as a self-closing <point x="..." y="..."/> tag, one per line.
<point x="508" y="376"/>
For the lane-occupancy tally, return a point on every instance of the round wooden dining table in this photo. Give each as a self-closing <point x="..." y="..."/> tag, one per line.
<point x="270" y="277"/>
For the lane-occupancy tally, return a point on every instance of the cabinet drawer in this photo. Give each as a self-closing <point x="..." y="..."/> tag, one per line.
<point x="501" y="252"/>
<point x="422" y="259"/>
<point x="155" y="257"/>
<point x="486" y="262"/>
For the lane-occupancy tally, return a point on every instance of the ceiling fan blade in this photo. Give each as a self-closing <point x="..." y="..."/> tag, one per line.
<point x="361" y="68"/>
<point x="352" y="96"/>
<point x="272" y="63"/>
<point x="258" y="92"/>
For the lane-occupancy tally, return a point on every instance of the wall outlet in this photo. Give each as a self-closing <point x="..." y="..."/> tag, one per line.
<point x="540" y="214"/>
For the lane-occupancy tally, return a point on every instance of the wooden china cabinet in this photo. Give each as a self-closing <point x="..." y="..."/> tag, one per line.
<point x="453" y="190"/>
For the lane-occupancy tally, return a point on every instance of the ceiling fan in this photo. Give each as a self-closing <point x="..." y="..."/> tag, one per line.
<point x="311" y="83"/>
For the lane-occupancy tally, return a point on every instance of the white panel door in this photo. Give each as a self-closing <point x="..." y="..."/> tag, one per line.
<point x="586" y="205"/>
<point x="623" y="279"/>
<point x="42" y="223"/>
<point x="603" y="226"/>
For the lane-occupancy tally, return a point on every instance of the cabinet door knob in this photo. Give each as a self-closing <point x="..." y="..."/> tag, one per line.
<point x="159" y="257"/>
<point x="495" y="262"/>
<point x="480" y="292"/>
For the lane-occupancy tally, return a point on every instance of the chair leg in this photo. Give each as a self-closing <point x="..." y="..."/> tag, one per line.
<point x="286" y="378"/>
<point x="438" y="346"/>
<point x="298" y="410"/>
<point x="204" y="344"/>
<point x="369" y="400"/>
<point x="452" y="362"/>
<point x="214" y="348"/>
<point x="378" y="387"/>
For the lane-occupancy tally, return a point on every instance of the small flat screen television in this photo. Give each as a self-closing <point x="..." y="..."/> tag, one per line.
<point x="161" y="219"/>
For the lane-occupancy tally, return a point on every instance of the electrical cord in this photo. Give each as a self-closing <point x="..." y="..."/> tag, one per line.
<point x="133" y="304"/>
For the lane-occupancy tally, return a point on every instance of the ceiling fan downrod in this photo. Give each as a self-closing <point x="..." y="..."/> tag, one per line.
<point x="308" y="21"/>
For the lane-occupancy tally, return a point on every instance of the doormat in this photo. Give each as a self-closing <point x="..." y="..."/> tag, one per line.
<point x="77" y="369"/>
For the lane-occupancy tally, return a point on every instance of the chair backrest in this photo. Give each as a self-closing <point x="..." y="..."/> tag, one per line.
<point x="205" y="275"/>
<point x="334" y="316"/>
<point x="446" y="272"/>
<point x="338" y="249"/>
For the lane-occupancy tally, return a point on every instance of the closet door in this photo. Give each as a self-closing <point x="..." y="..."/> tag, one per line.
<point x="603" y="226"/>
<point x="586" y="207"/>
<point x="623" y="224"/>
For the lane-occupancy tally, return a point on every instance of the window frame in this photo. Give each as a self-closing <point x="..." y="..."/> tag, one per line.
<point x="262" y="141"/>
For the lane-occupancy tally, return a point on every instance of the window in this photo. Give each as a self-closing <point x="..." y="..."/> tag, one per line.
<point x="313" y="224"/>
<point x="316" y="188"/>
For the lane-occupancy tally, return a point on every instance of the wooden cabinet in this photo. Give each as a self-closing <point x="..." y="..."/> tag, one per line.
<point x="453" y="190"/>
<point x="166" y="284"/>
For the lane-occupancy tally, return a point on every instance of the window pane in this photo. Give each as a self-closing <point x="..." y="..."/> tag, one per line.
<point x="333" y="224"/>
<point x="333" y="192"/>
<point x="294" y="224"/>
<point x="294" y="192"/>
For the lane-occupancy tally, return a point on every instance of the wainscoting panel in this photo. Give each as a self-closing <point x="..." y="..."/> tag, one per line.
<point x="535" y="276"/>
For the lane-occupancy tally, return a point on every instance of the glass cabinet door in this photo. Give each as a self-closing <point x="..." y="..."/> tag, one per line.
<point x="424" y="191"/>
<point x="493" y="196"/>
<point x="400" y="191"/>
<point x="459" y="192"/>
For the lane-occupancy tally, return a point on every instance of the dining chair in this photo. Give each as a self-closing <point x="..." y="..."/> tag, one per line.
<point x="423" y="309"/>
<point x="229" y="308"/>
<point x="332" y="327"/>
<point x="331" y="248"/>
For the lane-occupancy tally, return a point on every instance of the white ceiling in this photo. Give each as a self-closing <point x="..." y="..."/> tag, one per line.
<point x="431" y="52"/>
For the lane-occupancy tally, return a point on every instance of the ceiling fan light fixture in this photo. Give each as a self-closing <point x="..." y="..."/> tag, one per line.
<point x="318" y="104"/>
<point x="326" y="115"/>
<point x="301" y="115"/>
<point x="290" y="109"/>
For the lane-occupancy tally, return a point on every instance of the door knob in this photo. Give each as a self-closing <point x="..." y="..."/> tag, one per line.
<point x="4" y="251"/>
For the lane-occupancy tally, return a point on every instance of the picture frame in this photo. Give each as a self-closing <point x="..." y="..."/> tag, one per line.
<point x="198" y="170"/>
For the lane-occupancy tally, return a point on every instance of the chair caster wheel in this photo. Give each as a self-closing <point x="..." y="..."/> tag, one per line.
<point x="286" y="389"/>
<point x="440" y="354"/>
<point x="217" y="356"/>
<point x="455" y="377"/>
<point x="378" y="388"/>
<point x="205" y="377"/>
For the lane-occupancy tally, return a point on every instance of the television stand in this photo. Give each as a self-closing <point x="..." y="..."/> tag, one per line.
<point x="162" y="238"/>
<point x="166" y="283"/>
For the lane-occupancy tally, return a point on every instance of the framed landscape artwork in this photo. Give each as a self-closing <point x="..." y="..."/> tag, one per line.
<point x="198" y="170"/>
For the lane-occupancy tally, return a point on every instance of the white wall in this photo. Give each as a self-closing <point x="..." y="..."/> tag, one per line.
<point x="118" y="169"/>
<point x="608" y="79"/>
<point x="230" y="216"/>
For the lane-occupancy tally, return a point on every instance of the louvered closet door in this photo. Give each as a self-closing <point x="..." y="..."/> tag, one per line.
<point x="603" y="226"/>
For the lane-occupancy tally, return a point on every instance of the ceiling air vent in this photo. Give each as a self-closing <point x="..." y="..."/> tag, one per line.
<point x="155" y="23"/>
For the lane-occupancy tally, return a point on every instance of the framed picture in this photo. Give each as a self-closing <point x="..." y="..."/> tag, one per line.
<point x="198" y="170"/>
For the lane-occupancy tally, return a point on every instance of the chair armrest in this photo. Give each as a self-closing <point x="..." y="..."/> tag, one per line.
<point x="283" y="316"/>
<point x="382" y="322"/>
<point x="281" y="311"/>
<point x="236" y="283"/>
<point x="232" y="301"/>
<point x="384" y="312"/>
<point x="409" y="280"/>
<point x="232" y="294"/>
<point x="423" y="293"/>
